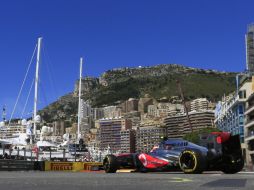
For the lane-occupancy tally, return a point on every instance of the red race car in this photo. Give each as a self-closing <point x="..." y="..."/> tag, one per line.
<point x="218" y="151"/>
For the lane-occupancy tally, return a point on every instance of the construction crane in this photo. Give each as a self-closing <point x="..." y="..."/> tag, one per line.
<point x="184" y="103"/>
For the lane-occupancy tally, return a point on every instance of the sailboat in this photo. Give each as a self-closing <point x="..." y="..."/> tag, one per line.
<point x="23" y="133"/>
<point x="78" y="147"/>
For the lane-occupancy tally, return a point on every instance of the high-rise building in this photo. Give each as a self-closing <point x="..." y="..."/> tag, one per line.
<point x="149" y="136"/>
<point x="249" y="40"/>
<point x="249" y="128"/>
<point x="109" y="132"/>
<point x="128" y="140"/>
<point x="229" y="113"/>
<point x="178" y="125"/>
<point x="249" y="132"/>
<point x="174" y="125"/>
<point x="199" y="120"/>
<point x="85" y="118"/>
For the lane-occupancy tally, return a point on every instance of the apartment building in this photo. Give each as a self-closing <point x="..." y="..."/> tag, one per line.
<point x="112" y="112"/>
<point x="229" y="113"/>
<point x="128" y="140"/>
<point x="199" y="104"/>
<point x="86" y="118"/>
<point x="164" y="109"/>
<point x="249" y="130"/>
<point x="177" y="126"/>
<point x="149" y="136"/>
<point x="110" y="132"/>
<point x="249" y="41"/>
<point x="199" y="120"/>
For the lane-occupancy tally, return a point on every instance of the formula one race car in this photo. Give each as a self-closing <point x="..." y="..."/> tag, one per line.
<point x="218" y="151"/>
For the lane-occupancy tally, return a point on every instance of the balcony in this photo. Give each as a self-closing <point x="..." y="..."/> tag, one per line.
<point x="250" y="97"/>
<point x="233" y="102"/>
<point x="249" y="110"/>
<point x="249" y="123"/>
<point x="250" y="136"/>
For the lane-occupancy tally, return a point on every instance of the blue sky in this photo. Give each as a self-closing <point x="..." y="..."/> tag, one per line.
<point x="205" y="34"/>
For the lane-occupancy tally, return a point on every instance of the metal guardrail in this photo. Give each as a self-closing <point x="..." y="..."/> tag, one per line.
<point x="50" y="155"/>
<point x="24" y="160"/>
<point x="72" y="166"/>
<point x="16" y="165"/>
<point x="23" y="165"/>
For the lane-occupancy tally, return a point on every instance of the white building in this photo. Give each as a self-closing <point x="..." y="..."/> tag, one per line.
<point x="112" y="112"/>
<point x="164" y="109"/>
<point x="199" y="104"/>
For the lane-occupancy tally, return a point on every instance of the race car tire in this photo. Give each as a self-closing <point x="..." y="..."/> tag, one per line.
<point x="191" y="161"/>
<point x="110" y="164"/>
<point x="231" y="166"/>
<point x="142" y="169"/>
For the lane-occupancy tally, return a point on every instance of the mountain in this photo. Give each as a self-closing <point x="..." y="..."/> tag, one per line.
<point x="117" y="85"/>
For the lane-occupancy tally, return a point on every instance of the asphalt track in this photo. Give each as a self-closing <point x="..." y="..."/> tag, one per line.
<point x="33" y="180"/>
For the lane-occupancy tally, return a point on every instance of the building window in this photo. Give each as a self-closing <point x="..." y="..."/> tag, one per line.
<point x="242" y="94"/>
<point x="241" y="120"/>
<point x="241" y="130"/>
<point x="240" y="108"/>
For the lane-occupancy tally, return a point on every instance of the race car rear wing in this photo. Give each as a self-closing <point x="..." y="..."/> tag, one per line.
<point x="221" y="143"/>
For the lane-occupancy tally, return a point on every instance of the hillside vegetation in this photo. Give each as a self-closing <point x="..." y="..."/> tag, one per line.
<point x="159" y="81"/>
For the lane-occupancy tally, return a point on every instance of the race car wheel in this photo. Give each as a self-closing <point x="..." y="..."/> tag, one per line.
<point x="192" y="162"/>
<point x="232" y="165"/>
<point x="142" y="169"/>
<point x="110" y="164"/>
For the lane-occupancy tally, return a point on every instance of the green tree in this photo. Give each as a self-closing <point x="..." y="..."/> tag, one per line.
<point x="194" y="136"/>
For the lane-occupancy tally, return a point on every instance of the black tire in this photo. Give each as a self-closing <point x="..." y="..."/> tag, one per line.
<point x="192" y="161"/>
<point x="110" y="164"/>
<point x="142" y="169"/>
<point x="232" y="166"/>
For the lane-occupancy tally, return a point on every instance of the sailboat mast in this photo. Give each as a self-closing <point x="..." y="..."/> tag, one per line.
<point x="36" y="82"/>
<point x="79" y="96"/>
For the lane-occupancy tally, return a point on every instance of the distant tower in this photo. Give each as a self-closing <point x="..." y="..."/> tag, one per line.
<point x="249" y="40"/>
<point x="4" y="113"/>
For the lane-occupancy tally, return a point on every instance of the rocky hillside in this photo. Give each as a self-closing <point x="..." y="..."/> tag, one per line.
<point x="159" y="81"/>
